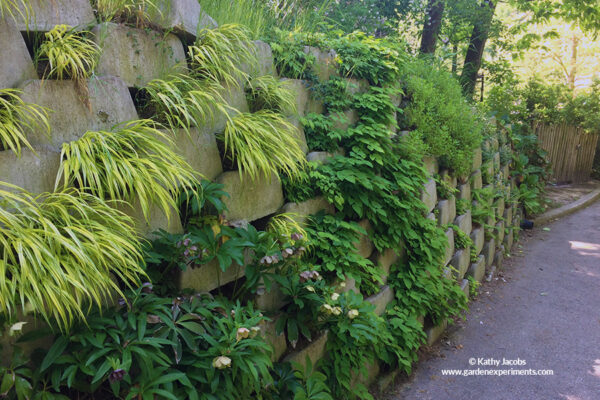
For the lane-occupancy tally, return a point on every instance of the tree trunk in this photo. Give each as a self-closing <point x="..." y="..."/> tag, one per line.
<point x="431" y="28"/>
<point x="573" y="71"/>
<point x="476" y="47"/>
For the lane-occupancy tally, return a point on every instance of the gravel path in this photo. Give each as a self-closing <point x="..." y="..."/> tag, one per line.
<point x="543" y="309"/>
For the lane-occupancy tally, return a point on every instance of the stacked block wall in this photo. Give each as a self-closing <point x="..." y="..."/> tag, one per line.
<point x="133" y="57"/>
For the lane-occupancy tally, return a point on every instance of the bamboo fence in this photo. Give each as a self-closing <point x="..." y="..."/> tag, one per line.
<point x="570" y="150"/>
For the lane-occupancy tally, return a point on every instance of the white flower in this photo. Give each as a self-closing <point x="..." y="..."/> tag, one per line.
<point x="221" y="362"/>
<point x="310" y="289"/>
<point x="254" y="331"/>
<point x="327" y="308"/>
<point x="336" y="310"/>
<point x="242" y="333"/>
<point x="353" y="313"/>
<point x="335" y="296"/>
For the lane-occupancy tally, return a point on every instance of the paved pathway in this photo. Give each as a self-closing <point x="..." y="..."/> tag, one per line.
<point x="544" y="309"/>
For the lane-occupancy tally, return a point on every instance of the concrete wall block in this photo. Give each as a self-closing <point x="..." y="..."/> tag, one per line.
<point x="325" y="65"/>
<point x="509" y="240"/>
<point x="449" y="247"/>
<point x="357" y="86"/>
<point x="477" y="269"/>
<point x="384" y="260"/>
<point x="464" y="286"/>
<point x="306" y="208"/>
<point x="270" y="300"/>
<point x="264" y="55"/>
<point x="449" y="178"/>
<point x="299" y="133"/>
<point x="49" y="13"/>
<point x="499" y="258"/>
<point x="476" y="180"/>
<point x="235" y="97"/>
<point x="365" y="247"/>
<point x="382" y="299"/>
<point x="477" y="159"/>
<point x="464" y="222"/>
<point x="461" y="261"/>
<point x="429" y="195"/>
<point x="251" y="200"/>
<point x="488" y="167"/>
<point x="137" y="56"/>
<point x="505" y="171"/>
<point x="209" y="276"/>
<point x="315" y="351"/>
<point x="489" y="250"/>
<point x="447" y="211"/>
<point x="156" y="219"/>
<point x="464" y="192"/>
<point x="110" y="103"/>
<point x="278" y="342"/>
<point x="508" y="215"/>
<point x="496" y="162"/>
<point x="184" y="16"/>
<point x="344" y="120"/>
<point x="301" y="91"/>
<point x="200" y="150"/>
<point x="431" y="216"/>
<point x="315" y="106"/>
<point x="478" y="238"/>
<point x="500" y="231"/>
<point x="434" y="333"/>
<point x="15" y="63"/>
<point x="431" y="165"/>
<point x="34" y="173"/>
<point x="500" y="205"/>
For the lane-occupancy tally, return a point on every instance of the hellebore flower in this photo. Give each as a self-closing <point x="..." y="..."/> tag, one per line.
<point x="310" y="289"/>
<point x="117" y="375"/>
<point x="221" y="362"/>
<point x="242" y="333"/>
<point x="335" y="296"/>
<point x="336" y="310"/>
<point x="353" y="313"/>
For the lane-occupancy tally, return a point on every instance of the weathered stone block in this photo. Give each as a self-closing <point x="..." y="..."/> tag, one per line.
<point x="301" y="93"/>
<point x="315" y="351"/>
<point x="137" y="56"/>
<point x="325" y="65"/>
<point x="209" y="276"/>
<point x="476" y="180"/>
<point x="251" y="200"/>
<point x="301" y="211"/>
<point x="184" y="16"/>
<point x="314" y="106"/>
<point x="299" y="133"/>
<point x="156" y="219"/>
<point x="500" y="231"/>
<point x="489" y="250"/>
<point x="382" y="299"/>
<point x="431" y="165"/>
<point x="449" y="247"/>
<point x="434" y="333"/>
<point x="110" y="103"/>
<point x="264" y="54"/>
<point x="488" y="176"/>
<point x="477" y="159"/>
<point x="446" y="176"/>
<point x="344" y="120"/>
<point x="464" y="286"/>
<point x="464" y="222"/>
<point x="447" y="211"/>
<point x="278" y="342"/>
<point x="500" y="207"/>
<point x="464" y="192"/>
<point x="271" y="299"/>
<point x="364" y="247"/>
<point x="477" y="269"/>
<point x="494" y="144"/>
<point x="384" y="260"/>
<point x="357" y="86"/>
<point x="46" y="14"/>
<point x="505" y="171"/>
<point x="235" y="97"/>
<point x="200" y="151"/>
<point x="508" y="215"/>
<point x="431" y="216"/>
<point x="429" y="195"/>
<point x="320" y="157"/>
<point x="461" y="261"/>
<point x="509" y="239"/>
<point x="34" y="173"/>
<point x="15" y="63"/>
<point x="499" y="257"/>
<point x="478" y="238"/>
<point x="496" y="162"/>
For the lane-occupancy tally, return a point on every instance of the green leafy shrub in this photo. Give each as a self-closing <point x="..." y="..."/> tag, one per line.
<point x="440" y="115"/>
<point x="291" y="60"/>
<point x="320" y="133"/>
<point x="268" y="93"/>
<point x="134" y="161"/>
